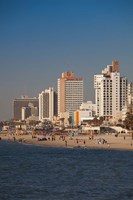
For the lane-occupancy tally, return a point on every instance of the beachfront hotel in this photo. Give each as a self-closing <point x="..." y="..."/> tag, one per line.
<point x="47" y="104"/>
<point x="70" y="93"/>
<point x="110" y="91"/>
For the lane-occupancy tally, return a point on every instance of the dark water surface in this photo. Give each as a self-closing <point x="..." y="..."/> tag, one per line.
<point x="30" y="172"/>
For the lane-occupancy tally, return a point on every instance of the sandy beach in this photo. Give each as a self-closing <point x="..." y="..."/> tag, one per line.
<point x="111" y="141"/>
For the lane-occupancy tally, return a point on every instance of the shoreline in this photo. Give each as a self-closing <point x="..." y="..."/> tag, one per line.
<point x="85" y="142"/>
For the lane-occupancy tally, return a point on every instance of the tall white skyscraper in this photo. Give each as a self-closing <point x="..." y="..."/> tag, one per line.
<point x="70" y="93"/>
<point x="110" y="91"/>
<point x="46" y="104"/>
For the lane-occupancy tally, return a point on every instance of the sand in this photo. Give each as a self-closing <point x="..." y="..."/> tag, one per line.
<point x="113" y="142"/>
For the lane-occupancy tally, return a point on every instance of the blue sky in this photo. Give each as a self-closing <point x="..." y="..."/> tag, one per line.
<point x="40" y="39"/>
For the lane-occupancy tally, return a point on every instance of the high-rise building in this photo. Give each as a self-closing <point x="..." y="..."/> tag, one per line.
<point x="110" y="91"/>
<point x="70" y="93"/>
<point x="129" y="107"/>
<point x="24" y="101"/>
<point x="47" y="104"/>
<point x="130" y="93"/>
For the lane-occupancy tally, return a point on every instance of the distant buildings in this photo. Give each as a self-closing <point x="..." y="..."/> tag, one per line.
<point x="81" y="115"/>
<point x="25" y="112"/>
<point x="86" y="112"/>
<point x="29" y="111"/>
<point x="110" y="91"/>
<point x="70" y="93"/>
<point x="128" y="108"/>
<point x="88" y="106"/>
<point x="113" y="98"/>
<point x="24" y="107"/>
<point x="47" y="104"/>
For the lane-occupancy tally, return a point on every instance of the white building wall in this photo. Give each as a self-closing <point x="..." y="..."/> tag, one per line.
<point x="106" y="97"/>
<point x="51" y="103"/>
<point x="85" y="115"/>
<point x="58" y="85"/>
<point x="40" y="106"/>
<point x="43" y="104"/>
<point x="130" y="93"/>
<point x="88" y="106"/>
<point x="110" y="92"/>
<point x="123" y="92"/>
<point x="115" y="93"/>
<point x="98" y="93"/>
<point x="23" y="112"/>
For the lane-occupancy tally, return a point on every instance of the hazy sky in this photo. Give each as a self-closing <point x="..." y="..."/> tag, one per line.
<point x="40" y="39"/>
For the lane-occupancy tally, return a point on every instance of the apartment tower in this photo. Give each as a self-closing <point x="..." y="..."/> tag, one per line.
<point x="110" y="91"/>
<point x="47" y="106"/>
<point x="70" y="93"/>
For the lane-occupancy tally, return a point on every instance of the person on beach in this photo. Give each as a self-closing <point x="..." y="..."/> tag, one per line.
<point x="65" y="143"/>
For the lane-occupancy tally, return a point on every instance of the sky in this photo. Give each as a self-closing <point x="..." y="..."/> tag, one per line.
<point x="40" y="39"/>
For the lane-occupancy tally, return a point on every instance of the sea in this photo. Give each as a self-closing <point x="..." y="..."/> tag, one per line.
<point x="29" y="172"/>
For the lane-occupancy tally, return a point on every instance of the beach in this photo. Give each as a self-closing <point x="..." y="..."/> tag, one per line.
<point x="106" y="141"/>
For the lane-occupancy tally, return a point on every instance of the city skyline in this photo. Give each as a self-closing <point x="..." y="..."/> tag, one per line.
<point x="42" y="39"/>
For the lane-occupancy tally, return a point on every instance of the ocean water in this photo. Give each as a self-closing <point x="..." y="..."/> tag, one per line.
<point x="30" y="172"/>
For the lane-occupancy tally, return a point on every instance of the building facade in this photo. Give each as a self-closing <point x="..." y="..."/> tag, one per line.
<point x="22" y="102"/>
<point x="88" y="106"/>
<point x="123" y="92"/>
<point x="81" y="115"/>
<point x="110" y="91"/>
<point x="130" y="93"/>
<point x="25" y="113"/>
<point x="70" y="93"/>
<point x="47" y="104"/>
